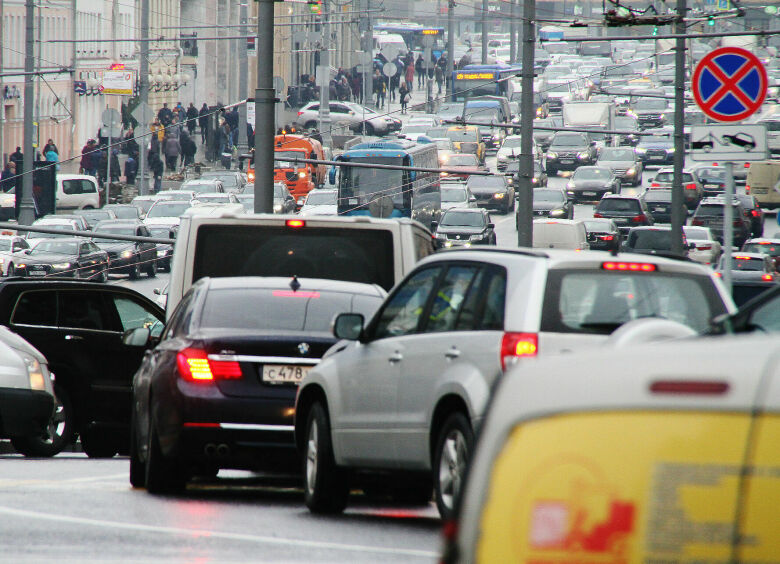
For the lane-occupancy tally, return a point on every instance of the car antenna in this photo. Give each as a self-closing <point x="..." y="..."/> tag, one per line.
<point x="294" y="284"/>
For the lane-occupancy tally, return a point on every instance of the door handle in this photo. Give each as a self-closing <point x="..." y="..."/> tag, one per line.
<point x="452" y="353"/>
<point x="74" y="338"/>
<point x="395" y="357"/>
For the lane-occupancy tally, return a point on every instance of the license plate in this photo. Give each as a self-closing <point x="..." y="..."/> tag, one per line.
<point x="620" y="220"/>
<point x="284" y="373"/>
<point x="37" y="273"/>
<point x="588" y="193"/>
<point x="659" y="209"/>
<point x="659" y="158"/>
<point x="567" y="161"/>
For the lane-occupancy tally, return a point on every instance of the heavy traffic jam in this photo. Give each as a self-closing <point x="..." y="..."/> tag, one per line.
<point x="597" y="396"/>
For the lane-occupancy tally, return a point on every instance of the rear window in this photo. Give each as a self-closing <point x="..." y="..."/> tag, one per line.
<point x="746" y="263"/>
<point x="658" y="196"/>
<point x="764" y="248"/>
<point x="650" y="240"/>
<point x="353" y="255"/>
<point x="281" y="310"/>
<point x="599" y="301"/>
<point x="668" y="177"/>
<point x="618" y="205"/>
<point x="715" y="210"/>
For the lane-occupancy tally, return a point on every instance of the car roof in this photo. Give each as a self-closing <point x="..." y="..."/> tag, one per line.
<point x="283" y="283"/>
<point x="765" y="240"/>
<point x="120" y="222"/>
<point x="751" y="256"/>
<point x="618" y="197"/>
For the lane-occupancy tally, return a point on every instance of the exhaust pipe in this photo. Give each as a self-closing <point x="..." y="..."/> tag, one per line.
<point x="210" y="450"/>
<point x="223" y="450"/>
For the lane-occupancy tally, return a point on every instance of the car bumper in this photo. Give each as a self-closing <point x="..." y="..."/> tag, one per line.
<point x="24" y="413"/>
<point x="568" y="164"/>
<point x="122" y="265"/>
<point x="589" y="194"/>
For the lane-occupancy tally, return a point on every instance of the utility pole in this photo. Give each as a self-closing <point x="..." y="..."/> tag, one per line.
<point x="143" y="94"/>
<point x="450" y="47"/>
<point x="525" y="202"/>
<point x="265" y="101"/>
<point x="27" y="205"/>
<point x="324" y="77"/>
<point x="679" y="138"/>
<point x="2" y="89"/>
<point x="484" y="31"/>
<point x="242" y="80"/>
<point x="368" y="60"/>
<point x="513" y="33"/>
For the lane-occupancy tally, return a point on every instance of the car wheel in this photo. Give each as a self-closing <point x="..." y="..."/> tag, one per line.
<point x="326" y="487"/>
<point x="368" y="129"/>
<point x="103" y="274"/>
<point x="151" y="272"/>
<point x="98" y="444"/>
<point x="135" y="272"/>
<point x="310" y="125"/>
<point x="10" y="271"/>
<point x="163" y="475"/>
<point x="137" y="467"/>
<point x="58" y="434"/>
<point x="453" y="451"/>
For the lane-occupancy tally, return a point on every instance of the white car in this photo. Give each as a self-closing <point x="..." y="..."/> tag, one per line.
<point x="217" y="198"/>
<point x="52" y="222"/>
<point x="10" y="245"/>
<point x="145" y="202"/>
<point x="76" y="192"/>
<point x="707" y="249"/>
<point x="430" y="120"/>
<point x="167" y="212"/>
<point x="320" y="202"/>
<point x="178" y="195"/>
<point x="351" y="115"/>
<point x="456" y="195"/>
<point x="203" y="185"/>
<point x="510" y="150"/>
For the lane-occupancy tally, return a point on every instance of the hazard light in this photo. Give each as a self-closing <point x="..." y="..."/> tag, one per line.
<point x="629" y="266"/>
<point x="295" y="223"/>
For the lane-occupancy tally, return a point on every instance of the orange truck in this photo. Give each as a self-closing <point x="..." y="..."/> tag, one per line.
<point x="300" y="178"/>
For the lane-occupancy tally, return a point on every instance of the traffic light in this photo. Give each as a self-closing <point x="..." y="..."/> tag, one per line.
<point x="711" y="20"/>
<point x="655" y="30"/>
<point x="315" y="6"/>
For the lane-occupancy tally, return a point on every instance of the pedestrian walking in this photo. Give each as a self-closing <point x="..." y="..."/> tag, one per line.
<point x="403" y="96"/>
<point x="18" y="158"/>
<point x="180" y="112"/>
<point x="188" y="148"/>
<point x="419" y="68"/>
<point x="130" y="145"/>
<point x="89" y="158"/>
<point x="131" y="168"/>
<point x="116" y="168"/>
<point x="192" y="117"/>
<point x="50" y="146"/>
<point x="171" y="150"/>
<point x="156" y="166"/>
<point x="225" y="138"/>
<point x="165" y="115"/>
<point x="392" y="86"/>
<point x="8" y="176"/>
<point x="439" y="77"/>
<point x="409" y="76"/>
<point x="203" y="123"/>
<point x="377" y="86"/>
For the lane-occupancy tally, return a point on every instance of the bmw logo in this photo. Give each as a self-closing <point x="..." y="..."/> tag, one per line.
<point x="303" y="348"/>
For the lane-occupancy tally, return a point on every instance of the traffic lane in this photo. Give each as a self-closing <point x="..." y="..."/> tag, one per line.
<point x="87" y="512"/>
<point x="143" y="285"/>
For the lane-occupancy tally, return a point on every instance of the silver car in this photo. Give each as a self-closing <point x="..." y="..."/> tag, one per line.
<point x="351" y="115"/>
<point x="403" y="394"/>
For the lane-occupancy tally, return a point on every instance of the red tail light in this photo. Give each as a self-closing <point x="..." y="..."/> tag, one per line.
<point x="695" y="221"/>
<point x="299" y="113"/>
<point x="654" y="185"/>
<point x="295" y="223"/>
<point x="755" y="213"/>
<point x="639" y="218"/>
<point x="747" y="165"/>
<point x="747" y="188"/>
<point x="516" y="345"/>
<point x="719" y="275"/>
<point x="767" y="277"/>
<point x="597" y="215"/>
<point x="606" y="237"/>
<point x="691" y="186"/>
<point x="632" y="266"/>
<point x="703" y="247"/>
<point x="690" y="388"/>
<point x="195" y="366"/>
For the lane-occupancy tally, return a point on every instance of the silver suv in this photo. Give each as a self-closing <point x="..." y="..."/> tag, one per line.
<point x="404" y="393"/>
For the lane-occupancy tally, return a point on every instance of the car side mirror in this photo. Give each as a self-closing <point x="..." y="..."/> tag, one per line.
<point x="691" y="246"/>
<point x="348" y="326"/>
<point x="27" y="251"/>
<point x="491" y="225"/>
<point x="138" y="337"/>
<point x="435" y="225"/>
<point x="472" y="198"/>
<point x="157" y="291"/>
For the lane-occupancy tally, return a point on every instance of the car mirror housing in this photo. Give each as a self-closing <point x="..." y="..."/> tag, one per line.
<point x="434" y="225"/>
<point x="348" y="326"/>
<point x="138" y="337"/>
<point x="491" y="225"/>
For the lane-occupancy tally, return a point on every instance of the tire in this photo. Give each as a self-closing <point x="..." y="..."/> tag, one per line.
<point x="97" y="444"/>
<point x="310" y="125"/>
<point x="103" y="275"/>
<point x="137" y="466"/>
<point x="59" y="433"/>
<point x="135" y="272"/>
<point x="151" y="272"/>
<point x="11" y="271"/>
<point x="163" y="475"/>
<point x="325" y="486"/>
<point x="453" y="451"/>
<point x="368" y="129"/>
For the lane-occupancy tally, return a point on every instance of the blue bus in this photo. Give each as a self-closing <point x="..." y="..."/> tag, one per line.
<point x="483" y="80"/>
<point x="377" y="192"/>
<point x="413" y="34"/>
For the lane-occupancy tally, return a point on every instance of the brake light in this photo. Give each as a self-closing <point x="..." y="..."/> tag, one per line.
<point x="606" y="237"/>
<point x="691" y="186"/>
<point x="741" y="257"/>
<point x="295" y="223"/>
<point x="299" y="113"/>
<point x="631" y="266"/>
<point x="692" y="388"/>
<point x="755" y="213"/>
<point x="195" y="366"/>
<point x="292" y="294"/>
<point x="597" y="215"/>
<point x="695" y="221"/>
<point x="639" y="218"/>
<point x="654" y="185"/>
<point x="719" y="275"/>
<point x="747" y="165"/>
<point x="704" y="247"/>
<point x="747" y="188"/>
<point x="516" y="345"/>
<point x="714" y="164"/>
<point x="767" y="277"/>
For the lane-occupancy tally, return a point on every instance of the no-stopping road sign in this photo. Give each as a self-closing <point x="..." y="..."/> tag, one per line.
<point x="729" y="84"/>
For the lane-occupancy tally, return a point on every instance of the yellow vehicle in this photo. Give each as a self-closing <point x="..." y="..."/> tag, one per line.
<point x="467" y="139"/>
<point x="763" y="182"/>
<point x="653" y="453"/>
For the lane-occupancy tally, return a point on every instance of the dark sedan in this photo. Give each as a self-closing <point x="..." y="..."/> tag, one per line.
<point x="751" y="274"/>
<point x="656" y="150"/>
<point x="753" y="214"/>
<point x="591" y="183"/>
<point x="128" y="257"/>
<point x="71" y="258"/>
<point x="712" y="179"/>
<point x="283" y="200"/>
<point x="659" y="202"/>
<point x="551" y="202"/>
<point x="93" y="216"/>
<point x="512" y="172"/>
<point x="219" y="390"/>
<point x="164" y="252"/>
<point x="463" y="227"/>
<point x="603" y="234"/>
<point x="494" y="192"/>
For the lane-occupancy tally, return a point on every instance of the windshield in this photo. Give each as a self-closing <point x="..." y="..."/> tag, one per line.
<point x="214" y="199"/>
<point x="229" y="180"/>
<point x="95" y="215"/>
<point x="456" y="159"/>
<point x="599" y="302"/>
<point x="484" y="115"/>
<point x="281" y="310"/>
<point x="125" y="230"/>
<point x="771" y="249"/>
<point x="618" y="205"/>
<point x="284" y="159"/>
<point x="463" y="135"/>
<point x="497" y="182"/>
<point x="512" y="143"/>
<point x="653" y="240"/>
<point x="200" y="188"/>
<point x="696" y="233"/>
<point x="168" y="209"/>
<point x="463" y="218"/>
<point x="744" y="263"/>
<point x="657" y="140"/>
<point x="321" y="199"/>
<point x="124" y="212"/>
<point x="668" y="177"/>
<point x="611" y="154"/>
<point x="453" y="194"/>
<point x="569" y="141"/>
<point x="600" y="226"/>
<point x="649" y="104"/>
<point x="162" y="232"/>
<point x="33" y="235"/>
<point x="559" y="88"/>
<point x="712" y="174"/>
<point x="549" y="196"/>
<point x="59" y="247"/>
<point x="356" y="182"/>
<point x="592" y="174"/>
<point x="623" y="122"/>
<point x="658" y="196"/>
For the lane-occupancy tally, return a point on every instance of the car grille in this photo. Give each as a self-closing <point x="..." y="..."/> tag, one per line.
<point x="655" y="154"/>
<point x="620" y="171"/>
<point x="567" y="155"/>
<point x="541" y="213"/>
<point x="458" y="236"/>
<point x="38" y="269"/>
<point x="113" y="255"/>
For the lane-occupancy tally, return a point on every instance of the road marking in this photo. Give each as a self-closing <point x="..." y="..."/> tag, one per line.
<point x="175" y="531"/>
<point x="58" y="483"/>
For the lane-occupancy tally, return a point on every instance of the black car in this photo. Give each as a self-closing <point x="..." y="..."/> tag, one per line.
<point x="630" y="125"/>
<point x="603" y="234"/>
<point x="652" y="240"/>
<point x="219" y="390"/>
<point x="512" y="172"/>
<point x="544" y="137"/>
<point x="67" y="257"/>
<point x="125" y="211"/>
<point x="709" y="213"/>
<point x="128" y="257"/>
<point x="78" y="327"/>
<point x="463" y="227"/>
<point x="758" y="311"/>
<point x="753" y="213"/>
<point x="552" y="202"/>
<point x="591" y="183"/>
<point x="494" y="192"/>
<point x="769" y="247"/>
<point x="164" y="252"/>
<point x="625" y="211"/>
<point x="659" y="202"/>
<point x="649" y="112"/>
<point x="284" y="202"/>
<point x="569" y="151"/>
<point x="656" y="150"/>
<point x="712" y="179"/>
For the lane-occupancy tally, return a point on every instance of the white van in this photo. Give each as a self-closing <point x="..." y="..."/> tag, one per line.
<point x="77" y="192"/>
<point x="390" y="45"/>
<point x="560" y="234"/>
<point x="354" y="249"/>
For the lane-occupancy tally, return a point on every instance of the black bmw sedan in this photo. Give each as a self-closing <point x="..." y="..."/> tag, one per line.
<point x="219" y="390"/>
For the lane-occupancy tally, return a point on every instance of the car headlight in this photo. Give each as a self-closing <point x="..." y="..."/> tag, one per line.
<point x="34" y="373"/>
<point x="669" y="150"/>
<point x="570" y="185"/>
<point x="161" y="253"/>
<point x="448" y="244"/>
<point x="440" y="235"/>
<point x="557" y="212"/>
<point x="535" y="180"/>
<point x="640" y="150"/>
<point x="61" y="265"/>
<point x="499" y="195"/>
<point x="20" y="265"/>
<point x="477" y="237"/>
<point x="277" y="208"/>
<point x="301" y="175"/>
<point x="631" y="171"/>
<point x="127" y="254"/>
<point x="552" y="155"/>
<point x="583" y="155"/>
